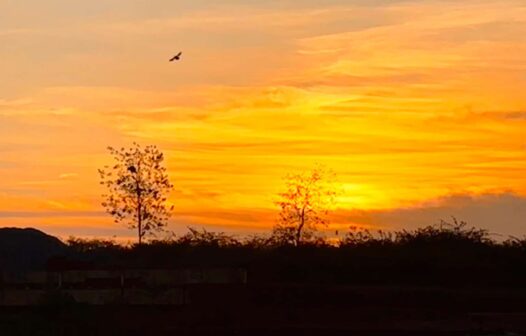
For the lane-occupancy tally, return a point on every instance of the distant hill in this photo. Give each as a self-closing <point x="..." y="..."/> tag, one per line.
<point x="27" y="249"/>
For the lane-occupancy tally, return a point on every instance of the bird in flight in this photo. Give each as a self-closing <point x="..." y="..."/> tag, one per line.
<point x="176" y="57"/>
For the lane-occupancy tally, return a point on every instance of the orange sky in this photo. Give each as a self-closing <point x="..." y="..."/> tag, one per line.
<point x="418" y="106"/>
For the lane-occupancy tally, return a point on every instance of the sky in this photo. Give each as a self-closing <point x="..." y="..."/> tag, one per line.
<point x="419" y="107"/>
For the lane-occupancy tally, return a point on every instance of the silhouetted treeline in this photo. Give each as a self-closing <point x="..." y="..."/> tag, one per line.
<point x="446" y="254"/>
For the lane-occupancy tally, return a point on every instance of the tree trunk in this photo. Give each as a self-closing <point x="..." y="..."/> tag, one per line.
<point x="139" y="219"/>
<point x="300" y="227"/>
<point x="139" y="222"/>
<point x="139" y="205"/>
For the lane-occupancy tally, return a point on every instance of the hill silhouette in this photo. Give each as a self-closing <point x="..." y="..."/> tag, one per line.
<point x="27" y="249"/>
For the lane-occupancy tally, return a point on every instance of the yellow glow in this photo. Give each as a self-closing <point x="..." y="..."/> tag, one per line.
<point x="425" y="101"/>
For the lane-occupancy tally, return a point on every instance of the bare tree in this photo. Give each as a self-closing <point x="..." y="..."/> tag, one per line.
<point x="138" y="186"/>
<point x="304" y="205"/>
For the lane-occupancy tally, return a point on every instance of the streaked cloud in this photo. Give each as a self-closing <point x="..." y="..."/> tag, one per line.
<point x="408" y="101"/>
<point x="501" y="214"/>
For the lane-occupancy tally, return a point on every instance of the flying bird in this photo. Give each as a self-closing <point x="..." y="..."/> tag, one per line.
<point x="176" y="57"/>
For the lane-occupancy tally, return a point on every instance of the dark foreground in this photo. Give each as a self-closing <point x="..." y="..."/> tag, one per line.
<point x="289" y="310"/>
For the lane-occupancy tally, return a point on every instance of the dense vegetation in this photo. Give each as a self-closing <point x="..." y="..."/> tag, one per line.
<point x="452" y="254"/>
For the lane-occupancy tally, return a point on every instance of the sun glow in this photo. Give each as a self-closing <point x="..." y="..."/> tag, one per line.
<point x="421" y="102"/>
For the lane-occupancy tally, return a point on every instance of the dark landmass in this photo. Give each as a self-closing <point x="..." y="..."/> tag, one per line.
<point x="27" y="249"/>
<point x="443" y="280"/>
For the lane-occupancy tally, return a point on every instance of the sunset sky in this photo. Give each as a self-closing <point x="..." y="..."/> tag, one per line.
<point x="419" y="107"/>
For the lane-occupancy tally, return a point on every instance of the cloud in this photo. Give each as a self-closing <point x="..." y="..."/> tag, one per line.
<point x="501" y="214"/>
<point x="51" y="214"/>
<point x="393" y="95"/>
<point x="68" y="175"/>
<point x="515" y="115"/>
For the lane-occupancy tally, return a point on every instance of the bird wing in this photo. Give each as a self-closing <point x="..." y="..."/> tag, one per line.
<point x="176" y="57"/>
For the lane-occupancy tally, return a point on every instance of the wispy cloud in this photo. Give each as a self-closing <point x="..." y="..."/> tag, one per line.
<point x="408" y="101"/>
<point x="500" y="214"/>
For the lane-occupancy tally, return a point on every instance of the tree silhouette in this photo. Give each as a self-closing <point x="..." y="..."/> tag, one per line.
<point x="137" y="189"/>
<point x="304" y="205"/>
